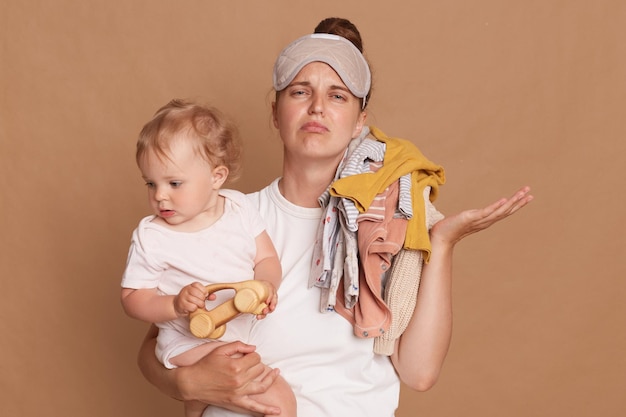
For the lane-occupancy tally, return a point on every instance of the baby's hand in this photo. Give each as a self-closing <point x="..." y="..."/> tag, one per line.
<point x="272" y="301"/>
<point x="189" y="299"/>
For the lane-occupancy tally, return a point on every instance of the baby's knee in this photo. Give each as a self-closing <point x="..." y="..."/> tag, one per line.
<point x="281" y="395"/>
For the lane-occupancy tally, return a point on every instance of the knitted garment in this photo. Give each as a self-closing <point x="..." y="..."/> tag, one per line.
<point x="402" y="286"/>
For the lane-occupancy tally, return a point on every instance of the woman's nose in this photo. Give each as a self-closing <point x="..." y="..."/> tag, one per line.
<point x="317" y="104"/>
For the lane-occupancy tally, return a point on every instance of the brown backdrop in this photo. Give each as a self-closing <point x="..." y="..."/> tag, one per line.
<point x="502" y="93"/>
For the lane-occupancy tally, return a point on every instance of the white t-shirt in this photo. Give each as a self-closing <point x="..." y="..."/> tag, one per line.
<point x="168" y="260"/>
<point x="332" y="372"/>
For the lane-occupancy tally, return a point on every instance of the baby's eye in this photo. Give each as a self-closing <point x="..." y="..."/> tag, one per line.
<point x="149" y="184"/>
<point x="176" y="184"/>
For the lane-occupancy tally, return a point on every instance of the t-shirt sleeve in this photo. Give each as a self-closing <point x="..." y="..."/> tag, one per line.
<point x="142" y="271"/>
<point x="257" y="224"/>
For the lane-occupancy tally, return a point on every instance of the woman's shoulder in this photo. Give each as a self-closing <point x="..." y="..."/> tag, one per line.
<point x="262" y="196"/>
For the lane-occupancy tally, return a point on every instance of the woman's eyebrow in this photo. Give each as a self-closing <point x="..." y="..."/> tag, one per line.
<point x="340" y="87"/>
<point x="299" y="83"/>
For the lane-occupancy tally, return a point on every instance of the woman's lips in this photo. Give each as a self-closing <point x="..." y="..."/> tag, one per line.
<point x="314" y="127"/>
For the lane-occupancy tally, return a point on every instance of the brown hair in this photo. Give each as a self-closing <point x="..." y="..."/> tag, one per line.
<point x="346" y="29"/>
<point x="341" y="27"/>
<point x="212" y="135"/>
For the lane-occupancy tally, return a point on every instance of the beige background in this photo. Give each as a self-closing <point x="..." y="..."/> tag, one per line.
<point x="502" y="93"/>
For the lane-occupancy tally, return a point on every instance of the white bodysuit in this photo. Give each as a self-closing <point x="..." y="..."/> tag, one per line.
<point x="168" y="260"/>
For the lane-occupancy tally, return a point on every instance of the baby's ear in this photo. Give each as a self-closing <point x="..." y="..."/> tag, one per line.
<point x="220" y="174"/>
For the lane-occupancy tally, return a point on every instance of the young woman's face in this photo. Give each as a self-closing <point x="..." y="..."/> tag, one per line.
<point x="316" y="115"/>
<point x="182" y="189"/>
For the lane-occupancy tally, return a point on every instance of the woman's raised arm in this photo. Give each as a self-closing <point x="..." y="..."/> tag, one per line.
<point x="421" y="350"/>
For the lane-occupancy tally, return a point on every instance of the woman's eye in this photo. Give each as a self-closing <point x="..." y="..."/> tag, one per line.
<point x="297" y="91"/>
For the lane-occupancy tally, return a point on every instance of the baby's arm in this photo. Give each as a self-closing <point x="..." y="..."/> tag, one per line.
<point x="148" y="305"/>
<point x="267" y="268"/>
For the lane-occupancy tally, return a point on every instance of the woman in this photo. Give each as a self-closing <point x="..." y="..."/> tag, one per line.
<point x="322" y="87"/>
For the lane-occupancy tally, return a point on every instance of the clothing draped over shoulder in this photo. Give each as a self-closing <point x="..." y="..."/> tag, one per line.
<point x="379" y="206"/>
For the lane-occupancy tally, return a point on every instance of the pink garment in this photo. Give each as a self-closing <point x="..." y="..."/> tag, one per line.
<point x="378" y="241"/>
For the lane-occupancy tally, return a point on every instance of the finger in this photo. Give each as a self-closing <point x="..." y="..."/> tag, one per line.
<point x="520" y="195"/>
<point x="523" y="197"/>
<point x="230" y="349"/>
<point x="257" y="407"/>
<point x="198" y="290"/>
<point x="188" y="301"/>
<point x="262" y="385"/>
<point x="509" y="205"/>
<point x="244" y="361"/>
<point x="249" y="365"/>
<point x="516" y="201"/>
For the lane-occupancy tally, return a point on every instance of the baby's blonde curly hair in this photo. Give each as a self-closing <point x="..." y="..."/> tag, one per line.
<point x="213" y="136"/>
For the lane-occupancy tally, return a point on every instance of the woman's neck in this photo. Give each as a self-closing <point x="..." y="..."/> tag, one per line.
<point x="302" y="185"/>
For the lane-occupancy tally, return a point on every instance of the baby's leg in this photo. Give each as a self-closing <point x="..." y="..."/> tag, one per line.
<point x="192" y="356"/>
<point x="194" y="408"/>
<point x="279" y="394"/>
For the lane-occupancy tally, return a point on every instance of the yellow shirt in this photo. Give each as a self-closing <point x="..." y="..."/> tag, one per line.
<point x="401" y="157"/>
